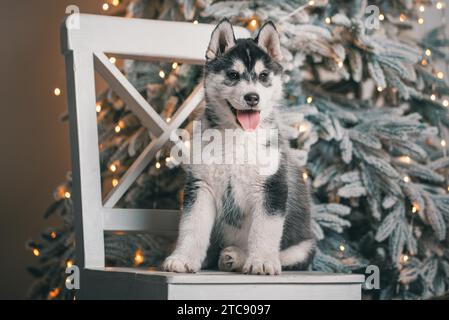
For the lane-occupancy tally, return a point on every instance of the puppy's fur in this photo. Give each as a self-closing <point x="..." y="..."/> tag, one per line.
<point x="232" y="214"/>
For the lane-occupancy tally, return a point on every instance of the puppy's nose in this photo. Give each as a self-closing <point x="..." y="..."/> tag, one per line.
<point x="252" y="99"/>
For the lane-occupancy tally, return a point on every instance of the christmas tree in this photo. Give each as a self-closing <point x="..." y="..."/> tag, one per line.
<point x="366" y="105"/>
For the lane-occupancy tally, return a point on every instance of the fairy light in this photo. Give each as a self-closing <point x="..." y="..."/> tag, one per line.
<point x="381" y="17"/>
<point x="311" y="3"/>
<point x="439" y="5"/>
<point x="53" y="235"/>
<point x="67" y="195"/>
<point x="167" y="160"/>
<point x="303" y="127"/>
<point x="305" y="176"/>
<point x="340" y="64"/>
<point x="112" y="60"/>
<point x="36" y="252"/>
<point x="117" y="129"/>
<point x="402" y="17"/>
<point x="138" y="257"/>
<point x="57" y="92"/>
<point x="69" y="263"/>
<point x="115" y="3"/>
<point x="114" y="182"/>
<point x="168" y="119"/>
<point x="404" y="258"/>
<point x="309" y="99"/>
<point x="406" y="179"/>
<point x="433" y="97"/>
<point x="98" y="107"/>
<point x="443" y="142"/>
<point x="440" y="75"/>
<point x="105" y="6"/>
<point x="445" y="103"/>
<point x="424" y="62"/>
<point x="421" y="20"/>
<point x="405" y="159"/>
<point x="428" y="52"/>
<point x="174" y="65"/>
<point x="380" y="89"/>
<point x="342" y="248"/>
<point x="195" y="22"/>
<point x="158" y="165"/>
<point x="328" y="20"/>
<point x="113" y="167"/>
<point x="162" y="74"/>
<point x="53" y="293"/>
<point x="422" y="8"/>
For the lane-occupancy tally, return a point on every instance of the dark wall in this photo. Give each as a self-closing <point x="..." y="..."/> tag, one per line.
<point x="35" y="154"/>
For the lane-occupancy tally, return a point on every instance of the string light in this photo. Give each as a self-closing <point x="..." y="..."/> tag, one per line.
<point x="405" y="159"/>
<point x="440" y="75"/>
<point x="53" y="293"/>
<point x="424" y="62"/>
<point x="311" y="3"/>
<point x="309" y="99"/>
<point x="53" y="235"/>
<point x="439" y="5"/>
<point x="168" y="119"/>
<point x="117" y="129"/>
<point x="406" y="179"/>
<point x="445" y="103"/>
<point x="305" y="176"/>
<point x="328" y="20"/>
<point x="168" y="159"/>
<point x="404" y="258"/>
<point x="428" y="52"/>
<point x="381" y="17"/>
<point x="138" y="258"/>
<point x="36" y="252"/>
<point x="112" y="60"/>
<point x="195" y="22"/>
<point x="162" y="74"/>
<point x="420" y="20"/>
<point x="174" y="65"/>
<point x="402" y="17"/>
<point x="443" y="143"/>
<point x="57" y="92"/>
<point x="69" y="263"/>
<point x="433" y="97"/>
<point x="105" y="7"/>
<point x="415" y="208"/>
<point x="303" y="127"/>
<point x="115" y="3"/>
<point x="422" y="8"/>
<point x="380" y="89"/>
<point x="98" y="107"/>
<point x="114" y="182"/>
<point x="113" y="167"/>
<point x="340" y="64"/>
<point x="67" y="195"/>
<point x="158" y="165"/>
<point x="342" y="248"/>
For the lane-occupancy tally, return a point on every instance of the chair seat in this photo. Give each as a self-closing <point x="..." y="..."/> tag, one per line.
<point x="135" y="283"/>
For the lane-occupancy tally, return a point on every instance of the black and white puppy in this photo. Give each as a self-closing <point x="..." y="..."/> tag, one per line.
<point x="235" y="216"/>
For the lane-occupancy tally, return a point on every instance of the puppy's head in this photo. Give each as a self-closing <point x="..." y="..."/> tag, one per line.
<point x="242" y="77"/>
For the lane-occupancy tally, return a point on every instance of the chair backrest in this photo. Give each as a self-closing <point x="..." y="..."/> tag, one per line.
<point x="85" y="45"/>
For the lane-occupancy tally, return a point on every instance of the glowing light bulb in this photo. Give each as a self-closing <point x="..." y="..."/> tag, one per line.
<point x="115" y="3"/>
<point x="195" y="22"/>
<point x="57" y="92"/>
<point x="302" y="127"/>
<point x="309" y="99"/>
<point x="328" y="20"/>
<point x="305" y="176"/>
<point x="402" y="17"/>
<point x="98" y="107"/>
<point x="422" y="8"/>
<point x="311" y="3"/>
<point x="53" y="293"/>
<point x="406" y="179"/>
<point x="117" y="129"/>
<point x="439" y="5"/>
<point x="380" y="89"/>
<point x="168" y="119"/>
<point x="342" y="248"/>
<point x="168" y="159"/>
<point x="340" y="64"/>
<point x="381" y="17"/>
<point x="433" y="97"/>
<point x="53" y="235"/>
<point x="67" y="195"/>
<point x="112" y="60"/>
<point x="114" y="182"/>
<point x="36" y="252"/>
<point x="445" y="103"/>
<point x="404" y="258"/>
<point x="174" y="65"/>
<point x="138" y="258"/>
<point x="440" y="75"/>
<point x="405" y="159"/>
<point x="162" y="74"/>
<point x="443" y="143"/>
<point x="424" y="62"/>
<point x="69" y="263"/>
<point x="113" y="168"/>
<point x="420" y="20"/>
<point x="428" y="52"/>
<point x="158" y="165"/>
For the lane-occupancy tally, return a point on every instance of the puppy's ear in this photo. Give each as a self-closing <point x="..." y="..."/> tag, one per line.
<point x="268" y="40"/>
<point x="221" y="41"/>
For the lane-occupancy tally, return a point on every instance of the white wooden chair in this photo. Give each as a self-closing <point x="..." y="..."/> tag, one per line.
<point x="84" y="49"/>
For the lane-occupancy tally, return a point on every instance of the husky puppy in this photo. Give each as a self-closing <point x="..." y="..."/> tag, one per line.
<point x="232" y="214"/>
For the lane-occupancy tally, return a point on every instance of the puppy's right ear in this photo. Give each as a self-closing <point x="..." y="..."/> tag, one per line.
<point x="221" y="41"/>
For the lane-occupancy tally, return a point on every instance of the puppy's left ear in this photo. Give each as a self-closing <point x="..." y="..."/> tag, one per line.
<point x="221" y="40"/>
<point x="268" y="40"/>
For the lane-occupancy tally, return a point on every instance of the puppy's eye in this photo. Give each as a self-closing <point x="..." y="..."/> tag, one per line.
<point x="233" y="75"/>
<point x="263" y="76"/>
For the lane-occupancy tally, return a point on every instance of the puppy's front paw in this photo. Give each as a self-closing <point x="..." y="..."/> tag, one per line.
<point x="231" y="259"/>
<point x="179" y="263"/>
<point x="262" y="265"/>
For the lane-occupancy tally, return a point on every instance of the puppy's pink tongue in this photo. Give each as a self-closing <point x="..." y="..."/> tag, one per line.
<point x="249" y="120"/>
